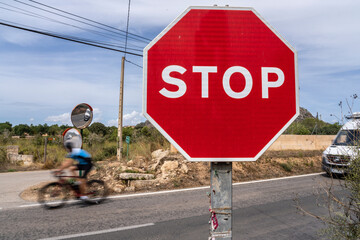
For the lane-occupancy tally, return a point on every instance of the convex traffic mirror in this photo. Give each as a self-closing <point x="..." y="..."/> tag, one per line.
<point x="81" y="115"/>
<point x="72" y="135"/>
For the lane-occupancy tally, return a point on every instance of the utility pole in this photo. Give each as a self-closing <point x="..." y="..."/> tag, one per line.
<point x="121" y="101"/>
<point x="121" y="97"/>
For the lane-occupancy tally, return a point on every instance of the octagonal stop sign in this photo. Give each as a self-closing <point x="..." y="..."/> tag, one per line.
<point x="220" y="84"/>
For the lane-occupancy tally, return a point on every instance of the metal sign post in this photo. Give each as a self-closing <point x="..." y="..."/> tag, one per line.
<point x="127" y="140"/>
<point x="221" y="201"/>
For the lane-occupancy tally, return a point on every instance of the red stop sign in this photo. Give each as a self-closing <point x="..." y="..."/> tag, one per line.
<point x="220" y="84"/>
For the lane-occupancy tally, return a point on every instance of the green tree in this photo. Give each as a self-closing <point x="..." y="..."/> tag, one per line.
<point x="5" y="125"/>
<point x="21" y="129"/>
<point x="140" y="126"/>
<point x="127" y="131"/>
<point x="313" y="126"/>
<point x="113" y="134"/>
<point x="298" y="129"/>
<point x="145" y="131"/>
<point x="54" y="130"/>
<point x="331" y="129"/>
<point x="98" y="128"/>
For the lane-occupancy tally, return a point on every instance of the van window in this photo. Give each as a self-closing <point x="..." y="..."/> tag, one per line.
<point x="348" y="138"/>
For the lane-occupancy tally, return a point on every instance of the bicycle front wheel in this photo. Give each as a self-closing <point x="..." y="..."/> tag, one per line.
<point x="52" y="195"/>
<point x="96" y="191"/>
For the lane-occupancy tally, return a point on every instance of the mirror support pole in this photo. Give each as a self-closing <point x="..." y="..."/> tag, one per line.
<point x="121" y="100"/>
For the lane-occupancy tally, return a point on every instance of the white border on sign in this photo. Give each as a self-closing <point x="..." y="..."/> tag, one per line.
<point x="163" y="132"/>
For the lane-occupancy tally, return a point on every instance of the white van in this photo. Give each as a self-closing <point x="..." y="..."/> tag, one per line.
<point x="345" y="147"/>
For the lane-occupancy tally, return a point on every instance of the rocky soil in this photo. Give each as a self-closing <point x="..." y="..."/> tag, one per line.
<point x="169" y="171"/>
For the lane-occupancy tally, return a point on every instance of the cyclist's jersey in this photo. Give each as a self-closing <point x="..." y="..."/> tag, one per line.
<point x="80" y="155"/>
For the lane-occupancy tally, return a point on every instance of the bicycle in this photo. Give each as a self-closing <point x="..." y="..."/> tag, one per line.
<point x="55" y="194"/>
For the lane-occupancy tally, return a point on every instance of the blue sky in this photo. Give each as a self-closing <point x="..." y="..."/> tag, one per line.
<point x="43" y="78"/>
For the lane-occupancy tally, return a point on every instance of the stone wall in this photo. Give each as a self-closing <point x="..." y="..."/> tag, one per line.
<point x="12" y="150"/>
<point x="12" y="153"/>
<point x="297" y="142"/>
<point x="26" y="159"/>
<point x="302" y="142"/>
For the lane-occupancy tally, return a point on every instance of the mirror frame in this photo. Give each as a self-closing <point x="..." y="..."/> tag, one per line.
<point x="77" y="142"/>
<point x="86" y="123"/>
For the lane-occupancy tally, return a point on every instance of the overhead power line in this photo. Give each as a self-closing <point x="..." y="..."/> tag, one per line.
<point x="28" y="13"/>
<point x="72" y="39"/>
<point x="31" y="14"/>
<point x="88" y="19"/>
<point x="36" y="15"/>
<point x="133" y="63"/>
<point x="89" y="24"/>
<point x="118" y="31"/>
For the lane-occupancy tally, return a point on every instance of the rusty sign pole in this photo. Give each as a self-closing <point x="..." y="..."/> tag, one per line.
<point x="221" y="201"/>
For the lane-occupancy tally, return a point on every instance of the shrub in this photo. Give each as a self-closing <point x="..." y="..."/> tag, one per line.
<point x="93" y="139"/>
<point x="3" y="158"/>
<point x="286" y="166"/>
<point x="343" y="218"/>
<point x="110" y="151"/>
<point x="98" y="156"/>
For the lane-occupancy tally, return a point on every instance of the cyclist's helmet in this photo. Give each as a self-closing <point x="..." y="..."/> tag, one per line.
<point x="69" y="146"/>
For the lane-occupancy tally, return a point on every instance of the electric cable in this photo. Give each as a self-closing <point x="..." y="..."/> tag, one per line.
<point x="88" y="19"/>
<point x="133" y="63"/>
<point x="120" y="34"/>
<point x="31" y="14"/>
<point x="66" y="38"/>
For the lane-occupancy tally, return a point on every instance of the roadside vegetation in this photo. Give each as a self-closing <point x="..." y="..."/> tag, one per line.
<point x="98" y="139"/>
<point x="101" y="141"/>
<point x="307" y="124"/>
<point x="343" y="219"/>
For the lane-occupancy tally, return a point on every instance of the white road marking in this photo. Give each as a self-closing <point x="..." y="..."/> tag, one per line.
<point x="280" y="178"/>
<point x="99" y="232"/>
<point x="189" y="189"/>
<point x="30" y="205"/>
<point x="39" y="204"/>
<point x="207" y="187"/>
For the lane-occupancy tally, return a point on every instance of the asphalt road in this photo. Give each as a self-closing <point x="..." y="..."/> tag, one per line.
<point x="13" y="183"/>
<point x="262" y="210"/>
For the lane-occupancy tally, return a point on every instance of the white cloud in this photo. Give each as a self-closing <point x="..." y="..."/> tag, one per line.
<point x="61" y="119"/>
<point x="133" y="118"/>
<point x="129" y="119"/>
<point x="55" y="75"/>
<point x="31" y="119"/>
<point x="97" y="115"/>
<point x="112" y="122"/>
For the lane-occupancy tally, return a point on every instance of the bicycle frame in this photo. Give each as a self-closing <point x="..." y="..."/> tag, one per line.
<point x="75" y="188"/>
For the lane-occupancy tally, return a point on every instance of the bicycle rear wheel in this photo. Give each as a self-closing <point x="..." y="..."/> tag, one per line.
<point x="52" y="195"/>
<point x="96" y="191"/>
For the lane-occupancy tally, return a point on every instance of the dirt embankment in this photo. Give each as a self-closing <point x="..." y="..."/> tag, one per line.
<point x="169" y="171"/>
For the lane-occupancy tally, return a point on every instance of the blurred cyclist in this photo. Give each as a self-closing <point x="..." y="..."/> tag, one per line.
<point x="83" y="163"/>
